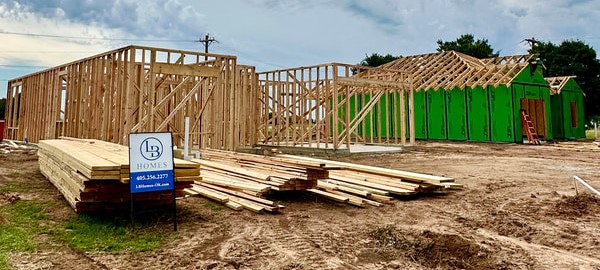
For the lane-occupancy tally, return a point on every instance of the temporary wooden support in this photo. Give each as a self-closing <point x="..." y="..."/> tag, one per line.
<point x="138" y="89"/>
<point x="332" y="105"/>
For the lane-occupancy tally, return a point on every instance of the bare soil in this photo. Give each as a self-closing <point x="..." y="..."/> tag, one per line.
<point x="518" y="210"/>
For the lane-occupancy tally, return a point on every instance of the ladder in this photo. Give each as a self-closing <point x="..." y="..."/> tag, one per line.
<point x="532" y="136"/>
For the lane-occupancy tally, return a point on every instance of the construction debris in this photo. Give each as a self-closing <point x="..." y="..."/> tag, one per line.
<point x="241" y="180"/>
<point x="93" y="175"/>
<point x="10" y="146"/>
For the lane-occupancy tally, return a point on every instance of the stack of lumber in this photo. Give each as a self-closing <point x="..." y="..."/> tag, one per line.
<point x="360" y="185"/>
<point x="93" y="175"/>
<point x="236" y="179"/>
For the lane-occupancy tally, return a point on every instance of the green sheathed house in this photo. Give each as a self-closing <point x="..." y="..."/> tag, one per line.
<point x="460" y="97"/>
<point x="567" y="108"/>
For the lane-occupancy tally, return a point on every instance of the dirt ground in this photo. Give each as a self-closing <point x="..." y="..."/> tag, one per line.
<point x="518" y="210"/>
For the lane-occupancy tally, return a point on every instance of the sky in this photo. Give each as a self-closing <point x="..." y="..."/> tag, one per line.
<point x="274" y="34"/>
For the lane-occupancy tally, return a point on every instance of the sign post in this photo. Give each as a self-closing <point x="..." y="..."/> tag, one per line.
<point x="151" y="166"/>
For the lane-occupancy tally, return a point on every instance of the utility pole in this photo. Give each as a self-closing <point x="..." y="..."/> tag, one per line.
<point x="531" y="41"/>
<point x="207" y="41"/>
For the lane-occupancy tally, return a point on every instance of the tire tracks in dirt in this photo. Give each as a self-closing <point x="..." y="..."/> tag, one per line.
<point x="282" y="248"/>
<point x="540" y="252"/>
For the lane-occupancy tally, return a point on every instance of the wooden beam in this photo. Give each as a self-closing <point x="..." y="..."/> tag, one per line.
<point x="185" y="70"/>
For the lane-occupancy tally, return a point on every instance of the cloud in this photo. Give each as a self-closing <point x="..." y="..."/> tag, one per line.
<point x="165" y="19"/>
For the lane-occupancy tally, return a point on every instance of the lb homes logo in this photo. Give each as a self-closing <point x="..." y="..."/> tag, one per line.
<point x="151" y="148"/>
<point x="150" y="162"/>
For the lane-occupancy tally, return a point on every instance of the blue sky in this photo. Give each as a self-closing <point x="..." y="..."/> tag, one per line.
<point x="271" y="34"/>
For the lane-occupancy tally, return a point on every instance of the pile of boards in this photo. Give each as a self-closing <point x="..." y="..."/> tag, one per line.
<point x="241" y="180"/>
<point x="93" y="175"/>
<point x="360" y="185"/>
<point x="10" y="146"/>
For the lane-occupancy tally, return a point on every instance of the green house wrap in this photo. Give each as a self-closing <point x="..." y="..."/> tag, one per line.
<point x="567" y="108"/>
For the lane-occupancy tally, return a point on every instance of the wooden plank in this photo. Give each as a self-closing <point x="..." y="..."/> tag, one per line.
<point x="358" y="187"/>
<point x="211" y="194"/>
<point x="332" y="186"/>
<point x="378" y="170"/>
<point x="239" y="194"/>
<point x="329" y="195"/>
<point x="236" y="184"/>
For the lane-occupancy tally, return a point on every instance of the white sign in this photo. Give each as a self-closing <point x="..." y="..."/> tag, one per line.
<point x="150" y="162"/>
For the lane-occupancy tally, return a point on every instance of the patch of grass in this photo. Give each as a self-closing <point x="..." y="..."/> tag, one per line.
<point x="19" y="224"/>
<point x="213" y="206"/>
<point x="87" y="233"/>
<point x="3" y="262"/>
<point x="589" y="134"/>
<point x="10" y="188"/>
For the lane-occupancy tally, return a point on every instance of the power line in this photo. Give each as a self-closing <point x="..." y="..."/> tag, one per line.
<point x="93" y="38"/>
<point x="250" y="57"/>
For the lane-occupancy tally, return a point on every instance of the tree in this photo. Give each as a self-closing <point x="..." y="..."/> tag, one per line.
<point x="573" y="57"/>
<point x="375" y="59"/>
<point x="2" y="107"/>
<point x="468" y="45"/>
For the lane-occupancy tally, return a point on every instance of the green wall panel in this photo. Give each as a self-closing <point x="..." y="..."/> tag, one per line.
<point x="436" y="114"/>
<point x="561" y="109"/>
<point x="518" y="93"/>
<point x="456" y="114"/>
<point x="575" y="94"/>
<point x="558" y="122"/>
<point x="478" y="114"/>
<point x="420" y="115"/>
<point x="501" y="114"/>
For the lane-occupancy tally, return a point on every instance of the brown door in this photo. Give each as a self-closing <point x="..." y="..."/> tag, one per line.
<point x="536" y="109"/>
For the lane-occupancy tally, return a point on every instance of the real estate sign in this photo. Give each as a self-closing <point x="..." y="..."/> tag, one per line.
<point x="150" y="162"/>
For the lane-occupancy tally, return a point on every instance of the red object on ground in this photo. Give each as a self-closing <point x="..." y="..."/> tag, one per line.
<point x="1" y="130"/>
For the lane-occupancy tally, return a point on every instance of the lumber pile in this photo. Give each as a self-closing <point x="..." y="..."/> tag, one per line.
<point x="93" y="175"/>
<point x="241" y="180"/>
<point x="362" y="185"/>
